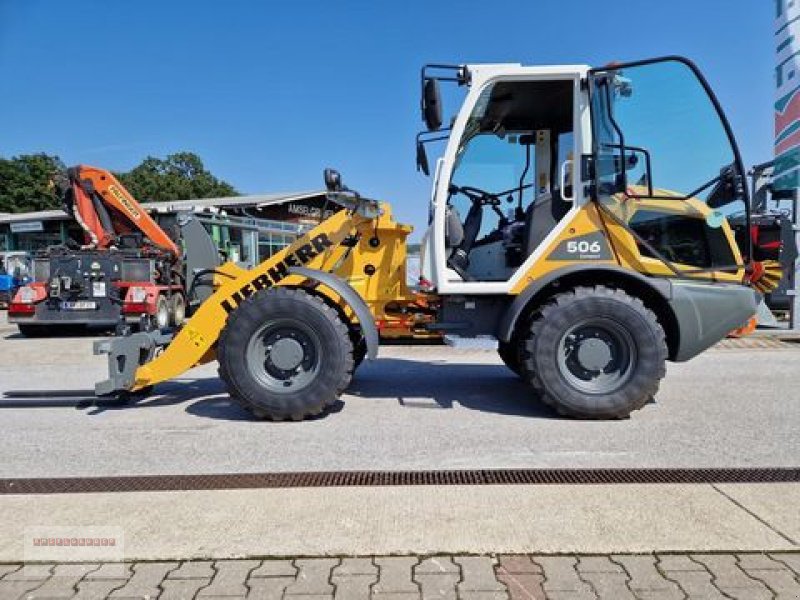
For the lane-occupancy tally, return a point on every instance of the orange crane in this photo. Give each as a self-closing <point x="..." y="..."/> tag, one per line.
<point x="128" y="270"/>
<point x="105" y="209"/>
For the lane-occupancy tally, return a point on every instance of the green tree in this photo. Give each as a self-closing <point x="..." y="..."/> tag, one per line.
<point x="180" y="176"/>
<point x="25" y="182"/>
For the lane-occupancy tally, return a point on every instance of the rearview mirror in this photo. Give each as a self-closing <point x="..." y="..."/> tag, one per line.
<point x="333" y="181"/>
<point x="432" y="104"/>
<point x="422" y="158"/>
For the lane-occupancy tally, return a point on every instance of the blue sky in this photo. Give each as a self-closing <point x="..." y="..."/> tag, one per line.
<point x="269" y="93"/>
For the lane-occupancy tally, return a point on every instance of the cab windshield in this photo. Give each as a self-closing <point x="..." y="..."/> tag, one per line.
<point x="659" y="136"/>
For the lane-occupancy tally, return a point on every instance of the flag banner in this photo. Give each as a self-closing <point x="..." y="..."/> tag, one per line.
<point x="787" y="97"/>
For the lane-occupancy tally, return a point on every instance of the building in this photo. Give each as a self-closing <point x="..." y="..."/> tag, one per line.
<point x="246" y="228"/>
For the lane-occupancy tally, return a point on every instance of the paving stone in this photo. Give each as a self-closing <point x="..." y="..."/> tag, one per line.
<point x="758" y="562"/>
<point x="730" y="579"/>
<point x="353" y="578"/>
<point x="437" y="577"/>
<point x="678" y="562"/>
<point x="24" y="580"/>
<point x="483" y="595"/>
<point x="353" y="587"/>
<point x="97" y="589"/>
<point x="518" y="564"/>
<point x="193" y="569"/>
<point x="355" y="566"/>
<point x="597" y="564"/>
<point x="478" y="575"/>
<point x="111" y="571"/>
<point x="312" y="577"/>
<point x="790" y="560"/>
<point x="19" y="588"/>
<point x="783" y="583"/>
<point x="645" y="580"/>
<point x="182" y="589"/>
<point x="523" y="578"/>
<point x="268" y="588"/>
<point x="10" y="568"/>
<point x="560" y="576"/>
<point x="395" y="577"/>
<point x="696" y="584"/>
<point x="229" y="578"/>
<point x="661" y="595"/>
<point x="145" y="580"/>
<point x="63" y="581"/>
<point x="437" y="565"/>
<point x="275" y="568"/>
<point x="611" y="585"/>
<point x="30" y="572"/>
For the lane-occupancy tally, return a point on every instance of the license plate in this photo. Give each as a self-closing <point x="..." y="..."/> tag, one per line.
<point x="79" y="305"/>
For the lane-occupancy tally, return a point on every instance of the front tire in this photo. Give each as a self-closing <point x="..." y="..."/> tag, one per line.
<point x="285" y="354"/>
<point x="595" y="353"/>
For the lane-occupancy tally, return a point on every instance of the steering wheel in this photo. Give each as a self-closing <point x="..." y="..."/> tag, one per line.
<point x="484" y="197"/>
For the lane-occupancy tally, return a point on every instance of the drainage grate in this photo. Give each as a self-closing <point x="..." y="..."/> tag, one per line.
<point x="150" y="483"/>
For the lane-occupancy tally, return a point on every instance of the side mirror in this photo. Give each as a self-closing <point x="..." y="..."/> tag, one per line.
<point x="432" y="104"/>
<point x="333" y="181"/>
<point x="422" y="158"/>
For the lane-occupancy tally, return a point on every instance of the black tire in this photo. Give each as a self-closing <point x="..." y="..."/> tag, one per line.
<point x="161" y="319"/>
<point x="359" y="352"/>
<point x="177" y="309"/>
<point x="33" y="331"/>
<point x="575" y="333"/>
<point x="274" y="387"/>
<point x="511" y="354"/>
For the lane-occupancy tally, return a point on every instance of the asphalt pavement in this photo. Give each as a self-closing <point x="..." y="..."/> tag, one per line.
<point x="413" y="408"/>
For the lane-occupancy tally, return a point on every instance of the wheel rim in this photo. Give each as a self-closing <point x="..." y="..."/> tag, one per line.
<point x="597" y="355"/>
<point x="284" y="355"/>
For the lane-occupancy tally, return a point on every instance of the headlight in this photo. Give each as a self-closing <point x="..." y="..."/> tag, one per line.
<point x="138" y="294"/>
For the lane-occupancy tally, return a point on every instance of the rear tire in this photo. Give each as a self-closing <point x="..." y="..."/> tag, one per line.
<point x="33" y="331"/>
<point x="595" y="353"/>
<point x="177" y="312"/>
<point x="285" y="354"/>
<point x="161" y="318"/>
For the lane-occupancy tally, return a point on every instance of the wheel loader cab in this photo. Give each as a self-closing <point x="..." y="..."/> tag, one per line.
<point x="506" y="180"/>
<point x="632" y="165"/>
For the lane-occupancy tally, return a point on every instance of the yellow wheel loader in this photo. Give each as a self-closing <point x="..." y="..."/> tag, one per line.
<point x="579" y="215"/>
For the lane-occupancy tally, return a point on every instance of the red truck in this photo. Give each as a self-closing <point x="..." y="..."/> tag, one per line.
<point x="128" y="271"/>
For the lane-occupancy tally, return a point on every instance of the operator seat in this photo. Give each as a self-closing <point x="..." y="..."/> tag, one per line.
<point x="459" y="257"/>
<point x="541" y="217"/>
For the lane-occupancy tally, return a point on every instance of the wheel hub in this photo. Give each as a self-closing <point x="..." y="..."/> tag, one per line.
<point x="286" y="354"/>
<point x="594" y="354"/>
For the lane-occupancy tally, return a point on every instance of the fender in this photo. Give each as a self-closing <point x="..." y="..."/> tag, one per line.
<point x="505" y="329"/>
<point x="353" y="300"/>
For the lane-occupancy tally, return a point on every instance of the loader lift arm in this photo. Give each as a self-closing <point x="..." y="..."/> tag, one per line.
<point x="105" y="209"/>
<point x="132" y="360"/>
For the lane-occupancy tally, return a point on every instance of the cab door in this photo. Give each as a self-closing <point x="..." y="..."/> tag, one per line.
<point x="512" y="149"/>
